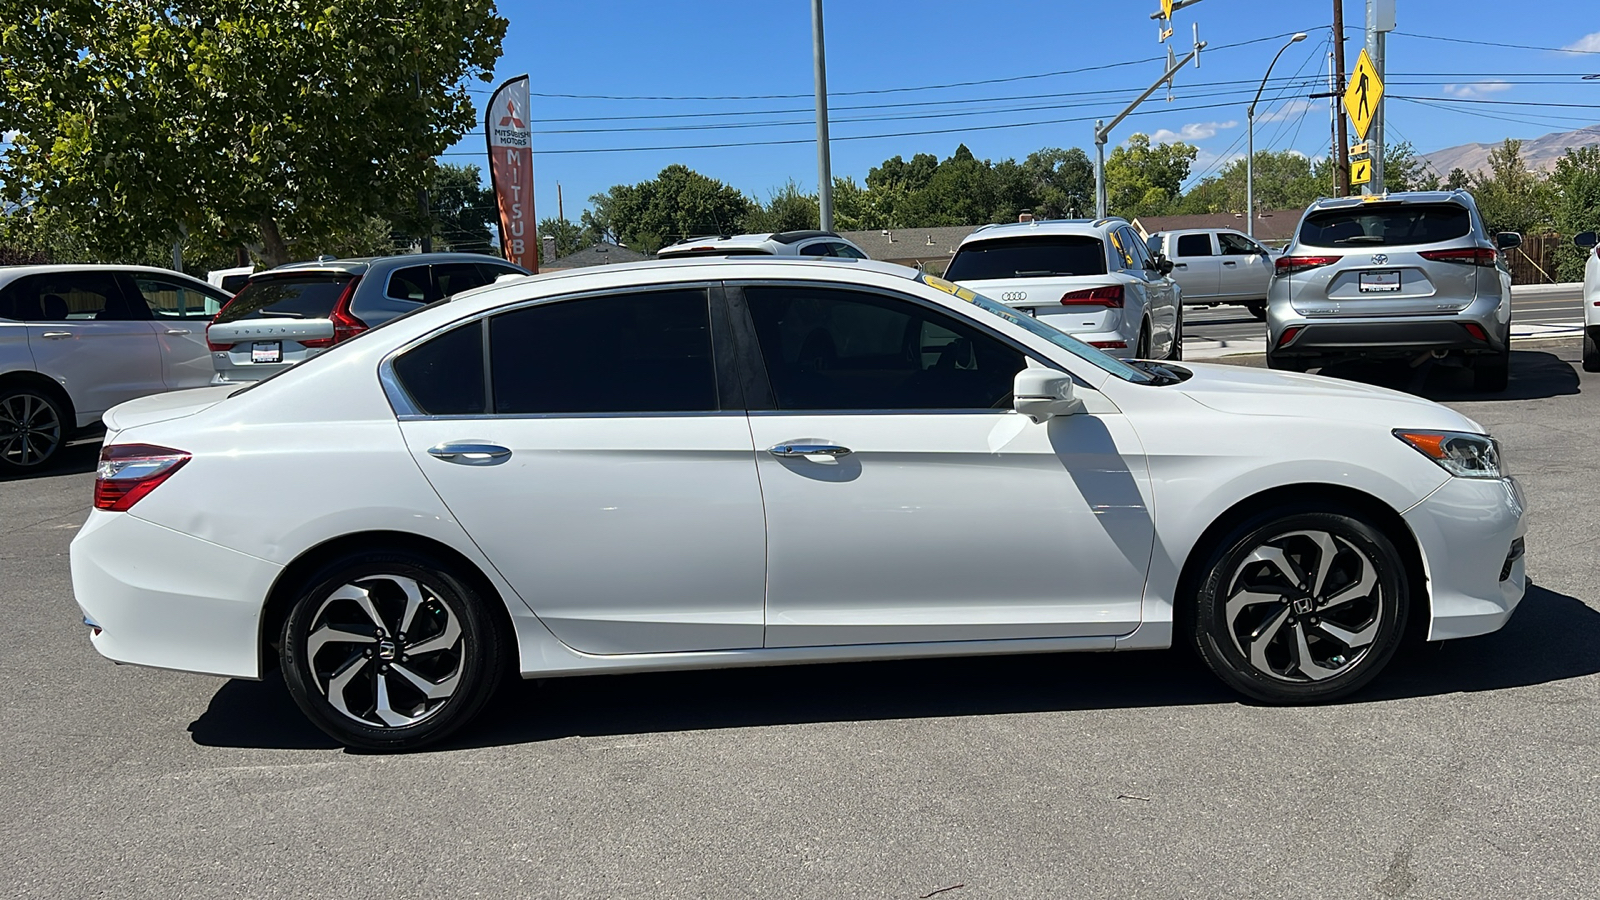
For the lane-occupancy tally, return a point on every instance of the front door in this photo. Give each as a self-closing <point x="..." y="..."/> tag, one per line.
<point x="1196" y="267"/>
<point x="905" y="501"/>
<point x="605" y="472"/>
<point x="86" y="335"/>
<point x="1246" y="268"/>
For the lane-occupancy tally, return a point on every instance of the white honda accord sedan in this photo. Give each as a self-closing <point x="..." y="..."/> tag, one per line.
<point x="729" y="462"/>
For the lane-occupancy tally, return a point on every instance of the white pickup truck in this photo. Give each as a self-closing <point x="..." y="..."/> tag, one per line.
<point x="1217" y="265"/>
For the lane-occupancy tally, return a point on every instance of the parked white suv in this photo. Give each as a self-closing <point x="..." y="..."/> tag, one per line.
<point x="1591" y="301"/>
<point x="77" y="340"/>
<point x="783" y="243"/>
<point x="1093" y="280"/>
<point x="1217" y="265"/>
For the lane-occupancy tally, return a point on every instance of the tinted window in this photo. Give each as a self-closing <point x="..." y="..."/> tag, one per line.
<point x="453" y="278"/>
<point x="1029" y="257"/>
<point x="818" y="249"/>
<point x="1153" y="244"/>
<point x="286" y="297"/>
<point x="1141" y="258"/>
<point x="445" y="375"/>
<point x="828" y="348"/>
<point x="1386" y="225"/>
<point x="490" y="272"/>
<point x="67" y="297"/>
<point x="1237" y="245"/>
<point x="1194" y="245"/>
<point x="174" y="300"/>
<point x="845" y="251"/>
<point x="643" y="352"/>
<point x="409" y="284"/>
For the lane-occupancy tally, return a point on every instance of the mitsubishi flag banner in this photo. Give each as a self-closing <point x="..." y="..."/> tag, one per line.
<point x="511" y="171"/>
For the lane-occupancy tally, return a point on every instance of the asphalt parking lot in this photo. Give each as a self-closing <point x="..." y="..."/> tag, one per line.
<point x="1468" y="770"/>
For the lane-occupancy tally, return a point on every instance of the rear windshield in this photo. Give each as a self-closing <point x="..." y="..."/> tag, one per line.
<point x="294" y="297"/>
<point x="1029" y="257"/>
<point x="1386" y="225"/>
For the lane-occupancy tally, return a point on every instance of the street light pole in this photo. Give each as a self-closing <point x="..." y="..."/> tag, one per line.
<point x="1250" y="137"/>
<point x="824" y="167"/>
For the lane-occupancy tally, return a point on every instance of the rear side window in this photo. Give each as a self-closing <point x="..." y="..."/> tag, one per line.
<point x="1386" y="225"/>
<point x="629" y="353"/>
<point x="1029" y="257"/>
<point x="445" y="375"/>
<point x="453" y="278"/>
<point x="291" y="297"/>
<point x="410" y="284"/>
<point x="1194" y="245"/>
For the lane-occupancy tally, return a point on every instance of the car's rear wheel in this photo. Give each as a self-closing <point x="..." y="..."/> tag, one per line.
<point x="1492" y="373"/>
<point x="32" y="429"/>
<point x="1301" y="607"/>
<point x="1176" y="353"/>
<point x="390" y="651"/>
<point x="1288" y="363"/>
<point x="1591" y="352"/>
<point x="1259" y="310"/>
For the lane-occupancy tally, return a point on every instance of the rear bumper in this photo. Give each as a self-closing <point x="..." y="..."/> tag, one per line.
<point x="1470" y="531"/>
<point x="1379" y="337"/>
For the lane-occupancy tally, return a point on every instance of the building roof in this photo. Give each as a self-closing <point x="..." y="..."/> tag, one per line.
<point x="1271" y="224"/>
<point x="600" y="254"/>
<point x="895" y="244"/>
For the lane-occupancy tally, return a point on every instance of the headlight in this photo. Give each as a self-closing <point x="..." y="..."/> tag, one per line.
<point x="1461" y="453"/>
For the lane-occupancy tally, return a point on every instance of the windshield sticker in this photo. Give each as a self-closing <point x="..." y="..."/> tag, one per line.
<point x="951" y="288"/>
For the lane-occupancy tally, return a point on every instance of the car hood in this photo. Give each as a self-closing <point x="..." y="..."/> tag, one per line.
<point x="161" y="407"/>
<point x="1248" y="391"/>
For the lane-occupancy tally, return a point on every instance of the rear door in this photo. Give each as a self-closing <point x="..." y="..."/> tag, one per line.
<point x="1195" y="266"/>
<point x="85" y="334"/>
<point x="1246" y="268"/>
<point x="180" y="310"/>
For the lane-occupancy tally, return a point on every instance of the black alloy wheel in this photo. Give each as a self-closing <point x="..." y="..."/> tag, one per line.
<point x="32" y="429"/>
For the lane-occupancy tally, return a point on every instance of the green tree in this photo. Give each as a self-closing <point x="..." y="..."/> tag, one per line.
<point x="1061" y="183"/>
<point x="788" y="209"/>
<point x="462" y="209"/>
<point x="1457" y="180"/>
<point x="1574" y="195"/>
<point x="569" y="237"/>
<point x="1144" y="179"/>
<point x="1283" y="180"/>
<point x="283" y="124"/>
<point x="1511" y="197"/>
<point x="677" y="203"/>
<point x="1404" y="170"/>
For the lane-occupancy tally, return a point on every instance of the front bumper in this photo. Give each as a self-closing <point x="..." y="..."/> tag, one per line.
<point x="160" y="598"/>
<point x="1471" y="532"/>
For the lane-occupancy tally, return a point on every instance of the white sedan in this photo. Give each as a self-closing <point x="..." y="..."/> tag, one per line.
<point x="760" y="461"/>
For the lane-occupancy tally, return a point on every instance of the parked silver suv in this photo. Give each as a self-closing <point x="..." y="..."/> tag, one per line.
<point x="289" y="314"/>
<point x="1393" y="275"/>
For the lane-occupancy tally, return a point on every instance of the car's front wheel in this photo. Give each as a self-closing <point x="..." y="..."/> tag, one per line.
<point x="1492" y="373"/>
<point x="390" y="651"/>
<point x="1591" y="352"/>
<point x="32" y="428"/>
<point x="1259" y="310"/>
<point x="1301" y="607"/>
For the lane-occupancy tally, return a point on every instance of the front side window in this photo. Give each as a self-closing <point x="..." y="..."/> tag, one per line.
<point x="1141" y="257"/>
<point x="171" y="300"/>
<point x="1237" y="245"/>
<point x="67" y="297"/>
<point x="1035" y="256"/>
<point x="1194" y="245"/>
<point x="831" y="348"/>
<point x="641" y="352"/>
<point x="1386" y="225"/>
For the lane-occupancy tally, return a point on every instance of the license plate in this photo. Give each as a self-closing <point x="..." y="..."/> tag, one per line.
<point x="1379" y="282"/>
<point x="266" y="352"/>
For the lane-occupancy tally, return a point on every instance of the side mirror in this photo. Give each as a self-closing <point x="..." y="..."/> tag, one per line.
<point x="1164" y="264"/>
<point x="1586" y="239"/>
<point x="1507" y="240"/>
<point x="1042" y="393"/>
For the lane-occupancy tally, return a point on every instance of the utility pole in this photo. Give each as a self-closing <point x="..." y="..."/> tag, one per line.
<point x="1380" y="21"/>
<point x="1102" y="131"/>
<point x="1341" y="142"/>
<point x="824" y="168"/>
<point x="561" y="214"/>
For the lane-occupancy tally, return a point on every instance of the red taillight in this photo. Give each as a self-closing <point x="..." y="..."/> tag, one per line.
<point x="1108" y="296"/>
<point x="1109" y="345"/>
<point x="345" y="326"/>
<point x="1477" y="332"/>
<point x="1288" y="265"/>
<point x="1288" y="334"/>
<point x="213" y="345"/>
<point x="130" y="471"/>
<point x="1472" y="256"/>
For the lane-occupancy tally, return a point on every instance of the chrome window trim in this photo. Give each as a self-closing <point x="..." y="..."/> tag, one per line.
<point x="424" y="417"/>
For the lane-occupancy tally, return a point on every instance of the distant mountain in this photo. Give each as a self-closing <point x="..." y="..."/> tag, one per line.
<point x="1540" y="153"/>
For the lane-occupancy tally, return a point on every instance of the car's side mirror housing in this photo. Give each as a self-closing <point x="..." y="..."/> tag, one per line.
<point x="1042" y="393"/>
<point x="1163" y="265"/>
<point x="1507" y="240"/>
<point x="1586" y="239"/>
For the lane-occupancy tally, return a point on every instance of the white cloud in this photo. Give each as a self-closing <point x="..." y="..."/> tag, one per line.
<point x="8" y="137"/>
<point x="1294" y="109"/>
<point x="1477" y="88"/>
<point x="1589" y="43"/>
<point x="1194" y="131"/>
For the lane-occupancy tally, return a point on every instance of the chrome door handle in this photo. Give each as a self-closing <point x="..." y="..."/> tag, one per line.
<point x="1180" y="265"/>
<point x="56" y="335"/>
<point x="1230" y="264"/>
<point x="470" y="453"/>
<point x="792" y="449"/>
<point x="177" y="331"/>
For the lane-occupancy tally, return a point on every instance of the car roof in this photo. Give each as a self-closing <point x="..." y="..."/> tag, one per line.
<point x="1094" y="227"/>
<point x="751" y="240"/>
<point x="715" y="268"/>
<point x="9" y="273"/>
<point x="1396" y="197"/>
<point x="361" y="264"/>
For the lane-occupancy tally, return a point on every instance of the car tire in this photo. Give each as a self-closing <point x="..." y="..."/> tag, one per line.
<point x="1141" y="347"/>
<point x="390" y="650"/>
<point x="1591" y="352"/>
<point x="1301" y="606"/>
<point x="33" y="428"/>
<point x="1259" y="310"/>
<point x="1288" y="363"/>
<point x="1176" y="353"/>
<point x="1490" y="374"/>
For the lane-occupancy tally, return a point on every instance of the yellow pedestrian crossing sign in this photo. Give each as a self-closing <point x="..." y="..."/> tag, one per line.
<point x="1362" y="94"/>
<point x="1360" y="171"/>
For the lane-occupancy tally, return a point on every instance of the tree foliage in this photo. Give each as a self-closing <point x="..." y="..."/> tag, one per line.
<point x="677" y="203"/>
<point x="1145" y="179"/>
<point x="1510" y="196"/>
<point x="461" y="210"/>
<point x="274" y="121"/>
<point x="1574" y="198"/>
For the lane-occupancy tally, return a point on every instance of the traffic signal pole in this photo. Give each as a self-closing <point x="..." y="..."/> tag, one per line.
<point x="1103" y="131"/>
<point x="1341" y="140"/>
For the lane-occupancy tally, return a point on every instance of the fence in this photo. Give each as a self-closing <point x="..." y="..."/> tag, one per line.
<point x="1535" y="261"/>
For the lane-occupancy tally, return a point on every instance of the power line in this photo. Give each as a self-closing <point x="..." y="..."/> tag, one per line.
<point x="1434" y="37"/>
<point x="1539" y="103"/>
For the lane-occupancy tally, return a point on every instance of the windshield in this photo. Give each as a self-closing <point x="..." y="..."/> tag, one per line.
<point x="1055" y="336"/>
<point x="297" y="297"/>
<point x="1034" y="256"/>
<point x="1386" y="225"/>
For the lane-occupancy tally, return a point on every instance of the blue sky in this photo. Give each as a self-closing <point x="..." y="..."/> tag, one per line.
<point x="877" y="49"/>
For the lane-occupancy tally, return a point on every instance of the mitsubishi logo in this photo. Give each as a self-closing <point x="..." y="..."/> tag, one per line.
<point x="510" y="118"/>
<point x="1379" y="259"/>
